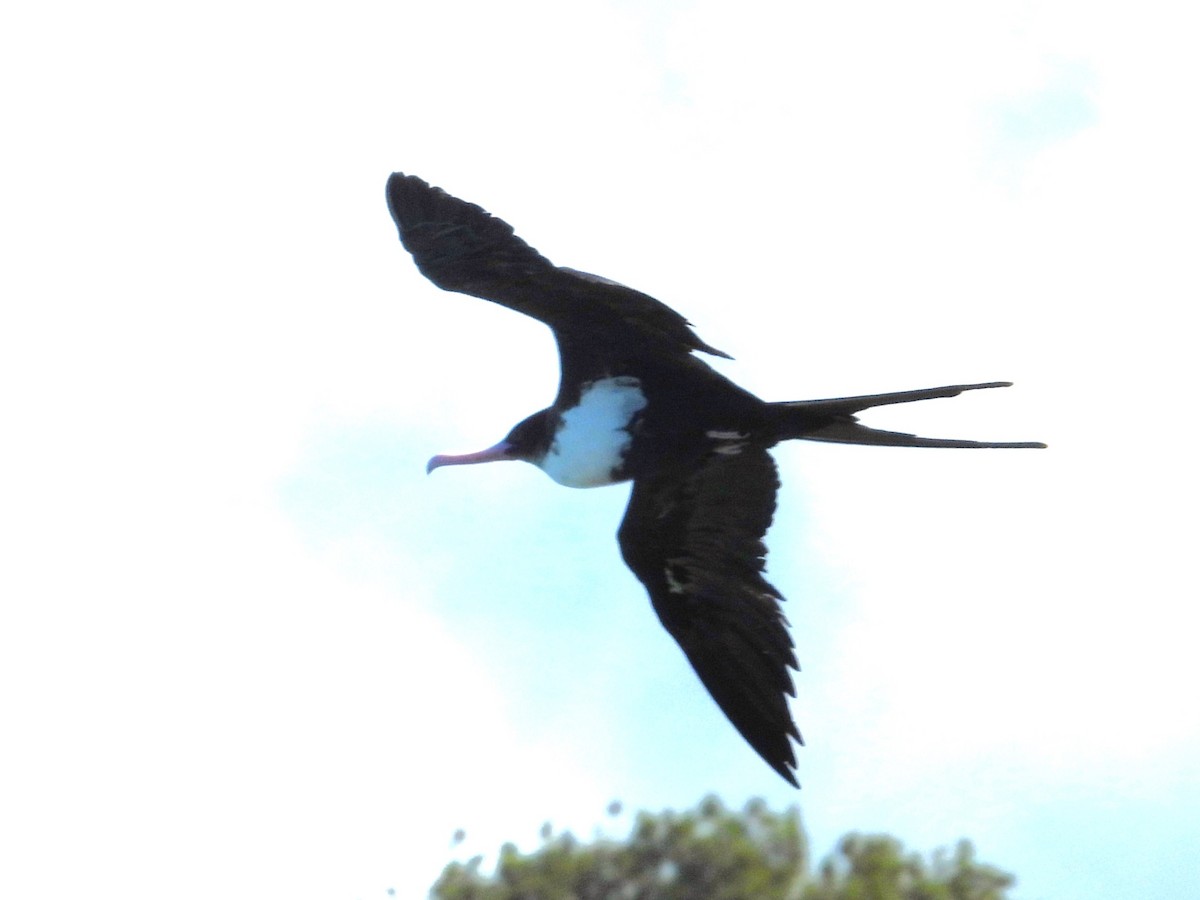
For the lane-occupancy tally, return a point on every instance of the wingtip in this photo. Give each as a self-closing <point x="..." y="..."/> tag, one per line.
<point x="400" y="184"/>
<point x="395" y="185"/>
<point x="787" y="766"/>
<point x="395" y="180"/>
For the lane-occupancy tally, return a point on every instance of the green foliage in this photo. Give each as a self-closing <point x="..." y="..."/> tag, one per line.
<point x="875" y="867"/>
<point x="712" y="852"/>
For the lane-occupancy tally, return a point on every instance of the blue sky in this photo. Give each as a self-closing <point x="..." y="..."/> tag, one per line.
<point x="249" y="649"/>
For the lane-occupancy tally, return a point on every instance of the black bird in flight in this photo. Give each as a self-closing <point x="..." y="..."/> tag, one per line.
<point x="635" y="404"/>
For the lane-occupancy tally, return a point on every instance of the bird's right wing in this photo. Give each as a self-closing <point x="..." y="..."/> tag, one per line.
<point x="461" y="247"/>
<point x="695" y="542"/>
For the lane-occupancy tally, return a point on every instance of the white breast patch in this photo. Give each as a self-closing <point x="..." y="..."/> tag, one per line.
<point x="593" y="438"/>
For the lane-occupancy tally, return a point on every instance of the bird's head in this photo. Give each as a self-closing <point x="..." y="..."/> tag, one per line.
<point x="528" y="441"/>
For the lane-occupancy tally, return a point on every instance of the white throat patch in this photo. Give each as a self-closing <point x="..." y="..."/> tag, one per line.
<point x="592" y="439"/>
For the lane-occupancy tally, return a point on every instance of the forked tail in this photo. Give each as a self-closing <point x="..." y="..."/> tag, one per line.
<point x="835" y="420"/>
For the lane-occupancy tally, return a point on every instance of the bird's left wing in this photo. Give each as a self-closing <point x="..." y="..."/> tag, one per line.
<point x="696" y="544"/>
<point x="461" y="247"/>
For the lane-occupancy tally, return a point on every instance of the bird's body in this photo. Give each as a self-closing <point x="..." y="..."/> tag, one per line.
<point x="635" y="404"/>
<point x="591" y="441"/>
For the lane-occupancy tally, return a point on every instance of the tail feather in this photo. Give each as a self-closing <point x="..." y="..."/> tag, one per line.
<point x="834" y="420"/>
<point x="851" y="432"/>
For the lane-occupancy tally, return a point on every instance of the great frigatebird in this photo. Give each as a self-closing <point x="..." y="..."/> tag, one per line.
<point x="635" y="404"/>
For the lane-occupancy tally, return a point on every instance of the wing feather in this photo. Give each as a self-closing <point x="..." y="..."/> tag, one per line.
<point x="696" y="544"/>
<point x="460" y="247"/>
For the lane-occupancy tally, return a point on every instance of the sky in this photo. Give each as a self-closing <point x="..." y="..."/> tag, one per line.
<point x="249" y="649"/>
